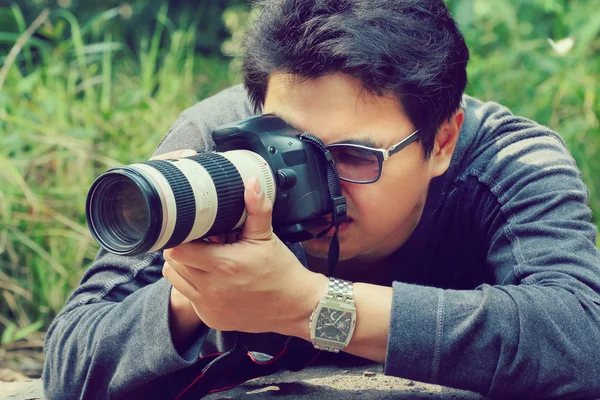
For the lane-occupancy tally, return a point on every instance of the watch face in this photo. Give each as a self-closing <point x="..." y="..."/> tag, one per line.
<point x="333" y="324"/>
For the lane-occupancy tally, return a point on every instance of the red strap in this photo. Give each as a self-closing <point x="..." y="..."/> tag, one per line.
<point x="262" y="363"/>
<point x="198" y="377"/>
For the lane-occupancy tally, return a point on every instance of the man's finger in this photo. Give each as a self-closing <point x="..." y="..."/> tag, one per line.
<point x="179" y="282"/>
<point x="191" y="274"/>
<point x="196" y="254"/>
<point x="259" y="209"/>
<point x="175" y="154"/>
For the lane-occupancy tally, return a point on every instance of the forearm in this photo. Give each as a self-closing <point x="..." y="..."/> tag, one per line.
<point x="514" y="340"/>
<point x="373" y="307"/>
<point x="105" y="349"/>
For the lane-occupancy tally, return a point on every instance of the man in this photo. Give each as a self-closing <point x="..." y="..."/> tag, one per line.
<point x="471" y="251"/>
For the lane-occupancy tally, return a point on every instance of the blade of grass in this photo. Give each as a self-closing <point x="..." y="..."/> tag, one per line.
<point x="28" y="330"/>
<point x="149" y="56"/>
<point x="55" y="264"/>
<point x="9" y="171"/>
<point x="7" y="283"/>
<point x="78" y="47"/>
<point x="16" y="308"/>
<point x="106" y="77"/>
<point x="22" y="28"/>
<point x="99" y="20"/>
<point x="14" y="51"/>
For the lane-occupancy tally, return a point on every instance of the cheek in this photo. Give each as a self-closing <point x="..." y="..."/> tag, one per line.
<point x="386" y="206"/>
<point x="368" y="204"/>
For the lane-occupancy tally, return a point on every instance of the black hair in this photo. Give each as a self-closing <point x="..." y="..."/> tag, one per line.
<point x="412" y="49"/>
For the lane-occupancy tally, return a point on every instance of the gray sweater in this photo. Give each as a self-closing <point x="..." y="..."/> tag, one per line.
<point x="497" y="291"/>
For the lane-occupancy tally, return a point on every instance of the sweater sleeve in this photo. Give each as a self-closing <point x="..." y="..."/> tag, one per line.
<point x="113" y="334"/>
<point x="113" y="337"/>
<point x="535" y="330"/>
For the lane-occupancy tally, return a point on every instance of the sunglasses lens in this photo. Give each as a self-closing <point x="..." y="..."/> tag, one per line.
<point x="355" y="163"/>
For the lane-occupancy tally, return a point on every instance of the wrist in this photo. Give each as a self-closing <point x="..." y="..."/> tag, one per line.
<point x="183" y="320"/>
<point x="315" y="288"/>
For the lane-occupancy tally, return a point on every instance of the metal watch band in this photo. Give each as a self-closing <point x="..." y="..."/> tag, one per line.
<point x="333" y="349"/>
<point x="339" y="291"/>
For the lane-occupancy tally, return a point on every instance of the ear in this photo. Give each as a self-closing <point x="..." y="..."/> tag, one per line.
<point x="445" y="142"/>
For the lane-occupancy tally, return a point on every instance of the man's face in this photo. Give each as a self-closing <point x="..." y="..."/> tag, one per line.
<point x="336" y="109"/>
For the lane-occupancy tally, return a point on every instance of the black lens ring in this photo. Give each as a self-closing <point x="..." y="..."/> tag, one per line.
<point x="184" y="200"/>
<point x="230" y="191"/>
<point x="97" y="224"/>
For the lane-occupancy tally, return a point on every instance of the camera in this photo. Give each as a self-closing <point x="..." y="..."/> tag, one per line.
<point x="158" y="204"/>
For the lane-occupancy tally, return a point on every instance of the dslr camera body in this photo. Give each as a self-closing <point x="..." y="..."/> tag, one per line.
<point x="158" y="204"/>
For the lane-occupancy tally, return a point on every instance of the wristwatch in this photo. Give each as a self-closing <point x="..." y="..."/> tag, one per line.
<point x="332" y="321"/>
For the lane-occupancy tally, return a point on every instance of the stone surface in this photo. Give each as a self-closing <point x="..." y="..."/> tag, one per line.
<point x="311" y="383"/>
<point x="8" y="375"/>
<point x="24" y="390"/>
<point x="333" y="383"/>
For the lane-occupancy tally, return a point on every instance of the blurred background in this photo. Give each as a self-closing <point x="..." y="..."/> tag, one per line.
<point x="86" y="86"/>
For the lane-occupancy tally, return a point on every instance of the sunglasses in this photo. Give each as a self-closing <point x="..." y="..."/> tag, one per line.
<point x="362" y="164"/>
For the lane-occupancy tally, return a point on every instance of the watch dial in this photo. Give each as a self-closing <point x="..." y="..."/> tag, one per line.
<point x="333" y="324"/>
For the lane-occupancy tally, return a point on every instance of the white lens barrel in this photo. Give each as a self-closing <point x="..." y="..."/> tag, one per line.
<point x="193" y="180"/>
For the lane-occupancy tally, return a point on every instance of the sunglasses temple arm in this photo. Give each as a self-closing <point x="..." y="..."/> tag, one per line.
<point x="394" y="149"/>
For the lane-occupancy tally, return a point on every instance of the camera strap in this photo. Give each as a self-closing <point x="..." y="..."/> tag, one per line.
<point x="338" y="201"/>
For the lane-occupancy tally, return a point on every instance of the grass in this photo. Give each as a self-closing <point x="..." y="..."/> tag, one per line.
<point x="83" y="102"/>
<point x="78" y="109"/>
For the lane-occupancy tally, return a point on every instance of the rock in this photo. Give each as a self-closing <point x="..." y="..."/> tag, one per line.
<point x="323" y="382"/>
<point x="8" y="375"/>
<point x="25" y="390"/>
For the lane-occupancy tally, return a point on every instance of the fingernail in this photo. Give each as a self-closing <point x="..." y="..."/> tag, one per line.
<point x="188" y="153"/>
<point x="257" y="187"/>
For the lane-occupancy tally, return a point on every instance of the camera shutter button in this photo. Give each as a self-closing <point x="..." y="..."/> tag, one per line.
<point x="286" y="178"/>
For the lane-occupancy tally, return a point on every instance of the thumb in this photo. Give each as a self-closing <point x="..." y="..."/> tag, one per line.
<point x="259" y="210"/>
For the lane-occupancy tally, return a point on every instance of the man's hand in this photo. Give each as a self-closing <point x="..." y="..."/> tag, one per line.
<point x="253" y="285"/>
<point x="258" y="285"/>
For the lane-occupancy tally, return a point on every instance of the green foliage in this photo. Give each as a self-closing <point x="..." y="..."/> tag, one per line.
<point x="541" y="59"/>
<point x="89" y="92"/>
<point x="136" y="19"/>
<point x="82" y="103"/>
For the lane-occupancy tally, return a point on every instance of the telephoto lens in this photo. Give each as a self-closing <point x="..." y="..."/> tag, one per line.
<point x="159" y="204"/>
